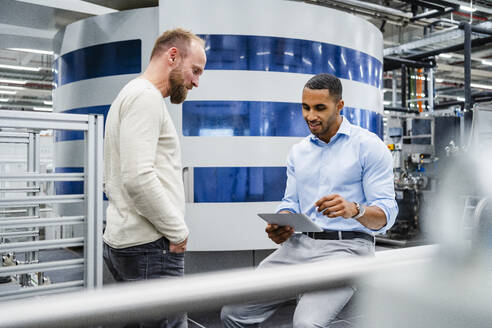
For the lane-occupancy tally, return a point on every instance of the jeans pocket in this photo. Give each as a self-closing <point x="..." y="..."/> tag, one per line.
<point x="174" y="264"/>
<point x="130" y="266"/>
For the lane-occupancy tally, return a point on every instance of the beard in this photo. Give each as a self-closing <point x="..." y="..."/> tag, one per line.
<point x="178" y="90"/>
<point x="324" y="128"/>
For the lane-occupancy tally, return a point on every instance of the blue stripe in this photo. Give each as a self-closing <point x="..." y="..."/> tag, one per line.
<point x="238" y="184"/>
<point x="243" y="118"/>
<point x="70" y="187"/>
<point x="67" y="135"/>
<point x="275" y="54"/>
<point x="115" y="58"/>
<point x="366" y="119"/>
<point x="260" y="119"/>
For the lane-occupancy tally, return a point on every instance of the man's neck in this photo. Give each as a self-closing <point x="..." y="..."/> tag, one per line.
<point x="333" y="130"/>
<point x="158" y="80"/>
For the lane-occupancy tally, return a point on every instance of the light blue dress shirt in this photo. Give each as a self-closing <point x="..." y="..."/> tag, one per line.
<point x="355" y="164"/>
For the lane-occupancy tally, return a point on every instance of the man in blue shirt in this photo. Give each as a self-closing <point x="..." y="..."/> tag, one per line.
<point x="341" y="177"/>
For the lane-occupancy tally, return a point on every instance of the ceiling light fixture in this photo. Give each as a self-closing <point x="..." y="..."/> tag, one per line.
<point x="43" y="109"/>
<point x="487" y="62"/>
<point x="445" y="56"/>
<point x="80" y="6"/>
<point x="21" y="68"/>
<point x="6" y="92"/>
<point x="48" y="102"/>
<point x="11" y="88"/>
<point x="481" y="86"/>
<point x="4" y="99"/>
<point x="13" y="81"/>
<point x="34" y="51"/>
<point x="467" y="9"/>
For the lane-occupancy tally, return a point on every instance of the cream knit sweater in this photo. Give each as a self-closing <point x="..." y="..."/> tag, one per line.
<point x="142" y="170"/>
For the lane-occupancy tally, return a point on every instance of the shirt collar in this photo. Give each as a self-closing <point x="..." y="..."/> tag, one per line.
<point x="343" y="129"/>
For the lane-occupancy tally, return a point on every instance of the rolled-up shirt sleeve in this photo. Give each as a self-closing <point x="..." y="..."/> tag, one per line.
<point x="378" y="180"/>
<point x="290" y="201"/>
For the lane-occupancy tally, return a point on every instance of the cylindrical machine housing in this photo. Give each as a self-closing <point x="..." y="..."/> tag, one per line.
<point x="237" y="128"/>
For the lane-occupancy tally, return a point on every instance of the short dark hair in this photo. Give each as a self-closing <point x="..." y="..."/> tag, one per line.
<point x="326" y="81"/>
<point x="178" y="37"/>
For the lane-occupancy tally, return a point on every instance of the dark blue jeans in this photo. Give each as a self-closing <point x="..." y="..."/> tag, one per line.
<point x="147" y="261"/>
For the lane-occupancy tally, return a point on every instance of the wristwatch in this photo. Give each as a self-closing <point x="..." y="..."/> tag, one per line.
<point x="361" y="210"/>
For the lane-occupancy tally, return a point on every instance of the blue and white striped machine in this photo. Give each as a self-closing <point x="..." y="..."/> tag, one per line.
<point x="237" y="128"/>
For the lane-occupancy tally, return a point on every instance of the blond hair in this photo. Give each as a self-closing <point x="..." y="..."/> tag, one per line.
<point x="179" y="38"/>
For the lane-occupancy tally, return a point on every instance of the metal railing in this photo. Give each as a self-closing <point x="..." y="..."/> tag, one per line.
<point x="153" y="299"/>
<point x="28" y="208"/>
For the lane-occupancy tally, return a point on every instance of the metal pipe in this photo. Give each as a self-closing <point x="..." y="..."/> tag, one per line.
<point x="42" y="290"/>
<point x="391" y="63"/>
<point x="45" y="266"/>
<point x="467" y="65"/>
<point x="394" y="84"/>
<point x="4" y="218"/>
<point x="19" y="234"/>
<point x="43" y="244"/>
<point x="403" y="86"/>
<point x="370" y="6"/>
<point x="448" y="104"/>
<point x="432" y="14"/>
<point x="445" y="3"/>
<point x="424" y="4"/>
<point x="90" y="190"/>
<point x="482" y="94"/>
<point x="99" y="208"/>
<point x="476" y="29"/>
<point x="43" y="177"/>
<point x="37" y="200"/>
<point x="21" y="189"/>
<point x="458" y="47"/>
<point x="482" y="99"/>
<point x="401" y="110"/>
<point x="430" y="88"/>
<point x="31" y="221"/>
<point x="153" y="299"/>
<point x="14" y="141"/>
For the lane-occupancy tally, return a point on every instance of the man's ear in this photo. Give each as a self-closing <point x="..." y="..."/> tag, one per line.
<point x="173" y="53"/>
<point x="340" y="105"/>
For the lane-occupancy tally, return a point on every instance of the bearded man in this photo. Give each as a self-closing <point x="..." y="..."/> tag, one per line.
<point x="146" y="235"/>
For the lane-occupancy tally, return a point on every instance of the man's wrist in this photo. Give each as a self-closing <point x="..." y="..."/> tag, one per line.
<point x="355" y="209"/>
<point x="359" y="210"/>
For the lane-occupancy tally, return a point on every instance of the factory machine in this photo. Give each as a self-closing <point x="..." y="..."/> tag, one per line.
<point x="410" y="138"/>
<point x="424" y="164"/>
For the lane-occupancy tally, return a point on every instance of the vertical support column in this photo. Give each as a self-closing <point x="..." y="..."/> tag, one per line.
<point x="462" y="131"/>
<point x="98" y="226"/>
<point x="89" y="191"/>
<point x="394" y="84"/>
<point x="403" y="86"/>
<point x="433" y="130"/>
<point x="467" y="63"/>
<point x="37" y="210"/>
<point x="430" y="89"/>
<point x="33" y="166"/>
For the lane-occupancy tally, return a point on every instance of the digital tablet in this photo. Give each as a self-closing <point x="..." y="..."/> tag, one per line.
<point x="300" y="222"/>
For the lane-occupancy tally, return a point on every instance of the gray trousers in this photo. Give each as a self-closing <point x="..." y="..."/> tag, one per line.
<point x="315" y="309"/>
